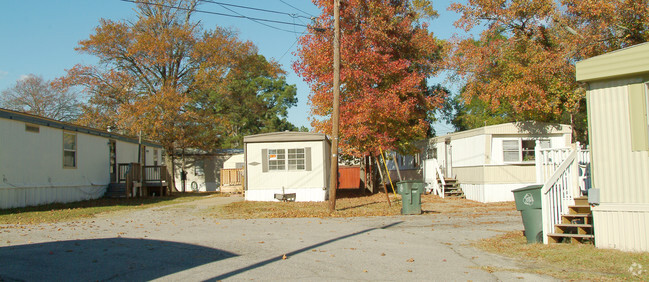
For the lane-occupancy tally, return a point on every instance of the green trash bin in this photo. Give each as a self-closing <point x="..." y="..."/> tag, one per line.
<point x="528" y="201"/>
<point x="411" y="196"/>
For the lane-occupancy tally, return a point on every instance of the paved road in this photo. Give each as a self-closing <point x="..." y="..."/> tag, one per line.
<point x="177" y="243"/>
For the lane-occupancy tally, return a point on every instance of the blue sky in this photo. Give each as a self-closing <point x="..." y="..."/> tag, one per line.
<point x="39" y="36"/>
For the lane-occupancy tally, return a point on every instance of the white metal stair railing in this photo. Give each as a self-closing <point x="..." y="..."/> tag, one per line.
<point x="432" y="177"/>
<point x="565" y="175"/>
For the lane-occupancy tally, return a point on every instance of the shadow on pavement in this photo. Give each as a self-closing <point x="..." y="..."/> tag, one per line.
<point x="102" y="259"/>
<point x="307" y="248"/>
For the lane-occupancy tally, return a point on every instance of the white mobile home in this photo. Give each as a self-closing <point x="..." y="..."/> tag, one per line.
<point x="489" y="162"/>
<point x="286" y="163"/>
<point x="202" y="168"/>
<point x="617" y="93"/>
<point x="46" y="161"/>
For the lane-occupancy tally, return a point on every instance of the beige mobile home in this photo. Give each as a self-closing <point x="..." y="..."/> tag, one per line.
<point x="46" y="161"/>
<point x="284" y="163"/>
<point x="489" y="162"/>
<point x="619" y="139"/>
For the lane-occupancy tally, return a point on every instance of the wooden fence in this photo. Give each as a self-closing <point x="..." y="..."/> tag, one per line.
<point x="232" y="180"/>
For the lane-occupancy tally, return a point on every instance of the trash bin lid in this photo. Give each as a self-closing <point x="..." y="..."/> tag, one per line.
<point x="531" y="187"/>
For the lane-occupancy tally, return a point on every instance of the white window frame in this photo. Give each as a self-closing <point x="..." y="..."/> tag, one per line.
<point x="296" y="159"/>
<point x="276" y="159"/>
<point x="520" y="150"/>
<point x="70" y="151"/>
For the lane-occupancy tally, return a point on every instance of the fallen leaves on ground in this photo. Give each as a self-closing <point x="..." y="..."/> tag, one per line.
<point x="351" y="205"/>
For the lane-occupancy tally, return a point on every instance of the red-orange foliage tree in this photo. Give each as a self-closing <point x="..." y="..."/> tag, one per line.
<point x="386" y="56"/>
<point x="522" y="65"/>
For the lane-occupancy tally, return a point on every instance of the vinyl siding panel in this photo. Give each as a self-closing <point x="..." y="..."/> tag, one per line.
<point x="496" y="174"/>
<point x="622" y="227"/>
<point x="632" y="60"/>
<point x="620" y="173"/>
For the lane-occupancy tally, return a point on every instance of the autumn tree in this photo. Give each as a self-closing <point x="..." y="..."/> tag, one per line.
<point x="167" y="78"/>
<point x="387" y="53"/>
<point x="600" y="26"/>
<point x="32" y="94"/>
<point x="522" y="65"/>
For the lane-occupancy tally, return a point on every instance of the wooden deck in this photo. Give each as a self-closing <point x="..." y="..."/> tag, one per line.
<point x="142" y="181"/>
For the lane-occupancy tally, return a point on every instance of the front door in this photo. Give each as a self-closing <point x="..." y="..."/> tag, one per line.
<point x="113" y="161"/>
<point x="448" y="159"/>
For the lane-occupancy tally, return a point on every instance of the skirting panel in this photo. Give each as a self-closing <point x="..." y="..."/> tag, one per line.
<point x="622" y="227"/>
<point x="488" y="193"/>
<point x="301" y="195"/>
<point x="18" y="197"/>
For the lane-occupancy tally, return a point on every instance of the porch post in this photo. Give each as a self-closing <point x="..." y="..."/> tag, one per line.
<point x="538" y="162"/>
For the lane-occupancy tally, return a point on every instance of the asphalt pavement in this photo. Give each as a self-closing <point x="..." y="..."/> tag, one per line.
<point x="180" y="243"/>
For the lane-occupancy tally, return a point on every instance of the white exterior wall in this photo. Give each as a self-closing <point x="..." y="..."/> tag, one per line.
<point x="31" y="166"/>
<point x="32" y="172"/>
<point x="126" y="152"/>
<point x="308" y="185"/>
<point x="622" y="226"/>
<point x="232" y="162"/>
<point x="204" y="170"/>
<point x="488" y="193"/>
<point x="468" y="151"/>
<point x="622" y="175"/>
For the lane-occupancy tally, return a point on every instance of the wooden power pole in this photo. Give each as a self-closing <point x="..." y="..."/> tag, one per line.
<point x="333" y="184"/>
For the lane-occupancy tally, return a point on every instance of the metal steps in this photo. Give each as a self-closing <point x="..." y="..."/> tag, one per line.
<point x="576" y="226"/>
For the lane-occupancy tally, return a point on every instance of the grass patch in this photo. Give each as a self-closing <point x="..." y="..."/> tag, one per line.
<point x="570" y="261"/>
<point x="52" y="213"/>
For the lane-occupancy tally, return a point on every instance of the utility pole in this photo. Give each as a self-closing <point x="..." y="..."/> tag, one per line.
<point x="333" y="183"/>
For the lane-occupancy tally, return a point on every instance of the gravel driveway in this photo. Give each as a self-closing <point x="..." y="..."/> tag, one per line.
<point x="178" y="243"/>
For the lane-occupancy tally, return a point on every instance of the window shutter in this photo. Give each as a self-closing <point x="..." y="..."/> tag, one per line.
<point x="638" y="117"/>
<point x="264" y="160"/>
<point x="307" y="158"/>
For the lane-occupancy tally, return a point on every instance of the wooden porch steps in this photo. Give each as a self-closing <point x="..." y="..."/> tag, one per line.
<point x="576" y="226"/>
<point x="452" y="189"/>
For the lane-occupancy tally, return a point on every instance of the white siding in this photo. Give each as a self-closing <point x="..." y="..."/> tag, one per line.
<point x="621" y="174"/>
<point x="488" y="193"/>
<point x="624" y="227"/>
<point x="468" y="151"/>
<point x="300" y="180"/>
<point x="126" y="152"/>
<point x="232" y="162"/>
<point x="31" y="166"/>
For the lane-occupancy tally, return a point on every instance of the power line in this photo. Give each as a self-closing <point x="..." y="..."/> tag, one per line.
<point x="215" y="13"/>
<point x="289" y="48"/>
<point x="255" y="9"/>
<point x="254" y="20"/>
<point x="312" y="16"/>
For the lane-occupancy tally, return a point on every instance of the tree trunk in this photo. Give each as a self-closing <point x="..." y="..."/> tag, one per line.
<point x="169" y="162"/>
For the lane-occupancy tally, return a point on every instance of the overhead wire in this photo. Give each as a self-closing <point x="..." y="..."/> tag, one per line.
<point x="255" y="9"/>
<point x="287" y="4"/>
<point x="216" y="13"/>
<point x="253" y="19"/>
